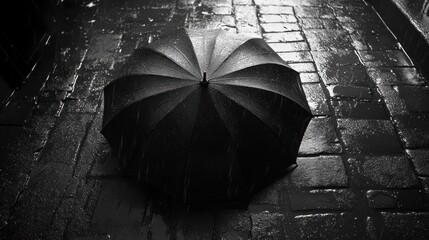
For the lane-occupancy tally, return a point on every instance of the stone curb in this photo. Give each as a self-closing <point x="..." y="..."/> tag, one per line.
<point x="407" y="27"/>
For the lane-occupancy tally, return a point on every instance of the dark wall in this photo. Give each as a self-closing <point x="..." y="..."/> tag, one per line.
<point x="24" y="25"/>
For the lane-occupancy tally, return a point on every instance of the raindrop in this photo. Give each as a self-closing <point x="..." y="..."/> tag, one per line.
<point x="90" y="5"/>
<point x="396" y="88"/>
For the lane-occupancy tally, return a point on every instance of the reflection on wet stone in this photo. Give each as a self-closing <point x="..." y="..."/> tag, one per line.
<point x="387" y="58"/>
<point x="398" y="223"/>
<point x="289" y="46"/>
<point x="350" y="108"/>
<point x="329" y="199"/>
<point x="363" y="136"/>
<point x="319" y="172"/>
<point x="268" y="225"/>
<point x="396" y="76"/>
<point x="277" y="18"/>
<point x="420" y="160"/>
<point x="329" y="226"/>
<point x="320" y="137"/>
<point x="386" y="171"/>
<point x="340" y="68"/>
<point x="381" y="199"/>
<point x="316" y="99"/>
<point x="374" y="42"/>
<point x="414" y="130"/>
<point x="328" y="40"/>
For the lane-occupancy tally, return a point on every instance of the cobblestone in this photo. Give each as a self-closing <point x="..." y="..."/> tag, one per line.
<point x="95" y="149"/>
<point x="346" y="108"/>
<point x="320" y="23"/>
<point x="406" y="199"/>
<point x="340" y="68"/>
<point x="405" y="225"/>
<point x="331" y="199"/>
<point x="223" y="10"/>
<point x="101" y="52"/>
<point x="387" y="58"/>
<point x="410" y="199"/>
<point x="320" y="137"/>
<point x="83" y="105"/>
<point x="66" y="139"/>
<point x="362" y="171"/>
<point x="268" y="9"/>
<point x="247" y="21"/>
<point x="60" y="83"/>
<point x="350" y="92"/>
<point x="381" y="199"/>
<point x="314" y="12"/>
<point x="420" y="160"/>
<point x="266" y="225"/>
<point x="243" y="2"/>
<point x="415" y="98"/>
<point x="316" y="99"/>
<point x="277" y="18"/>
<point x="284" y="37"/>
<point x="328" y="40"/>
<point x="70" y="57"/>
<point x="289" y="46"/>
<point x="301" y="56"/>
<point x="374" y="42"/>
<point x="279" y="27"/>
<point x="303" y="67"/>
<point x="215" y="22"/>
<point x="361" y="136"/>
<point x="309" y="78"/>
<point x="328" y="226"/>
<point x="394" y="103"/>
<point x="396" y="76"/>
<point x="319" y="172"/>
<point x="383" y="171"/>
<point x="413" y="130"/>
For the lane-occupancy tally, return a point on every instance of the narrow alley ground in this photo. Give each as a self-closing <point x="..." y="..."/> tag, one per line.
<point x="363" y="170"/>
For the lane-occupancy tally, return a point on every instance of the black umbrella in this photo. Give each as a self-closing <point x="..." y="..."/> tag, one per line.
<point x="206" y="115"/>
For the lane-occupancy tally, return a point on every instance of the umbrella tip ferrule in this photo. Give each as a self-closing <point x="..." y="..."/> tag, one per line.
<point x="204" y="81"/>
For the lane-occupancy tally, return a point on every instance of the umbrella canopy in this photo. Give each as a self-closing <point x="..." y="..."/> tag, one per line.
<point x="206" y="115"/>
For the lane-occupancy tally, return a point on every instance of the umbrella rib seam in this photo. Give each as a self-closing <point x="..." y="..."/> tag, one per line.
<point x="172" y="60"/>
<point x="262" y="89"/>
<point x="272" y="131"/>
<point x="142" y="140"/>
<point x="214" y="71"/>
<point x="191" y="82"/>
<point x="189" y="61"/>
<point x="137" y="102"/>
<point x="260" y="54"/>
<point x="226" y="128"/>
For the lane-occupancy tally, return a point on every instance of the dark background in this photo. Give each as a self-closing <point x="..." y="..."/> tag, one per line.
<point x="24" y="28"/>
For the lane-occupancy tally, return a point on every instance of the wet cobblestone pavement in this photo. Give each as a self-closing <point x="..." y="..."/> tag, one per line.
<point x="363" y="169"/>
